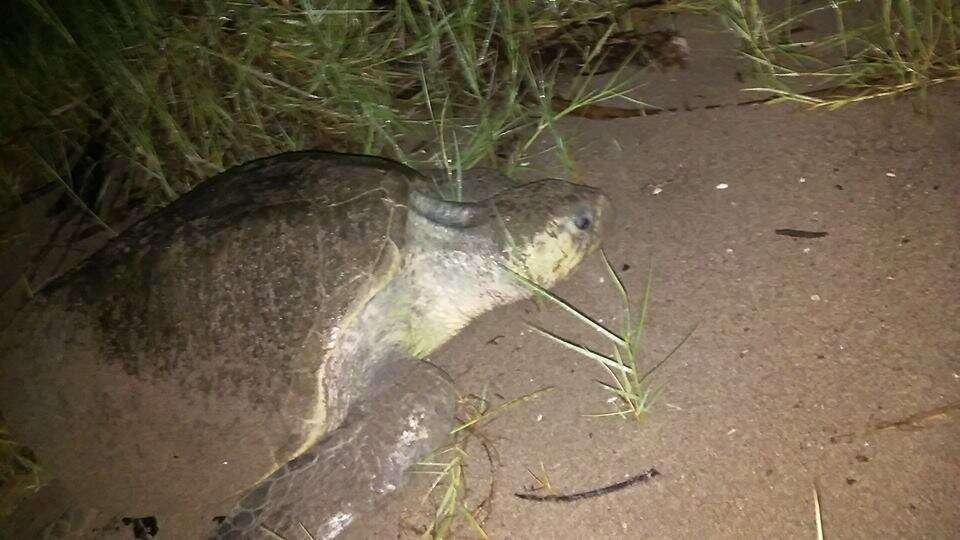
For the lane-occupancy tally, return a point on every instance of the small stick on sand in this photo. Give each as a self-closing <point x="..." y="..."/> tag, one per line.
<point x="642" y="477"/>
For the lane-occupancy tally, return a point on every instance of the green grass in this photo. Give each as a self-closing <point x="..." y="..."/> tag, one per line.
<point x="630" y="382"/>
<point x="105" y="95"/>
<point x="449" y="465"/>
<point x="817" y="517"/>
<point x="848" y="51"/>
<point x="19" y="473"/>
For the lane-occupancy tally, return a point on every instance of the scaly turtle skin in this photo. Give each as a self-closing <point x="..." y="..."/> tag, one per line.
<point x="264" y="330"/>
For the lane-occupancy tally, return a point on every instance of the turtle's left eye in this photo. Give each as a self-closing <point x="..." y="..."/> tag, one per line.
<point x="582" y="221"/>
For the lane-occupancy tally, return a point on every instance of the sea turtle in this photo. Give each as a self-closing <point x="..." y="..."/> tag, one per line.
<point x="260" y="340"/>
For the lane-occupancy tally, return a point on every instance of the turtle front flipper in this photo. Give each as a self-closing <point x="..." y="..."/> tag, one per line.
<point x="408" y="411"/>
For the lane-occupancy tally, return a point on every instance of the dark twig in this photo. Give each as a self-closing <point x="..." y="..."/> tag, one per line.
<point x="797" y="233"/>
<point x="642" y="477"/>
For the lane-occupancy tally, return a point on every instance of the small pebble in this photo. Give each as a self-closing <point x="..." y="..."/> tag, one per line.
<point x="802" y="180"/>
<point x="657" y="191"/>
<point x="891" y="175"/>
<point x="815" y="297"/>
<point x="722" y="186"/>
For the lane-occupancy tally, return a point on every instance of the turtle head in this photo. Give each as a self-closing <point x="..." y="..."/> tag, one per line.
<point x="462" y="256"/>
<point x="540" y="230"/>
<point x="545" y="228"/>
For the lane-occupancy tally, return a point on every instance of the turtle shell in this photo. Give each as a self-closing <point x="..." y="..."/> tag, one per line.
<point x="179" y="365"/>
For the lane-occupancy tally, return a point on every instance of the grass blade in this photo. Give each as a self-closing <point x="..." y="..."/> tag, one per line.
<point x="568" y="308"/>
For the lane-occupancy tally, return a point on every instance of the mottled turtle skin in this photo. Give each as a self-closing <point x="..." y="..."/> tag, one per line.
<point x="258" y="340"/>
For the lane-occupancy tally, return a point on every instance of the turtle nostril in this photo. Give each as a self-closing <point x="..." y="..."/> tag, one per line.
<point x="582" y="222"/>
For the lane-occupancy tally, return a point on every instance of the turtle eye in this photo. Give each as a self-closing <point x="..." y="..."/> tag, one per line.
<point x="582" y="221"/>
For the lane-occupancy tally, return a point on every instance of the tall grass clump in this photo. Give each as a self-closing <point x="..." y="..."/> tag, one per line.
<point x="448" y="466"/>
<point x="838" y="52"/>
<point x="19" y="473"/>
<point x="630" y="384"/>
<point x="153" y="96"/>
